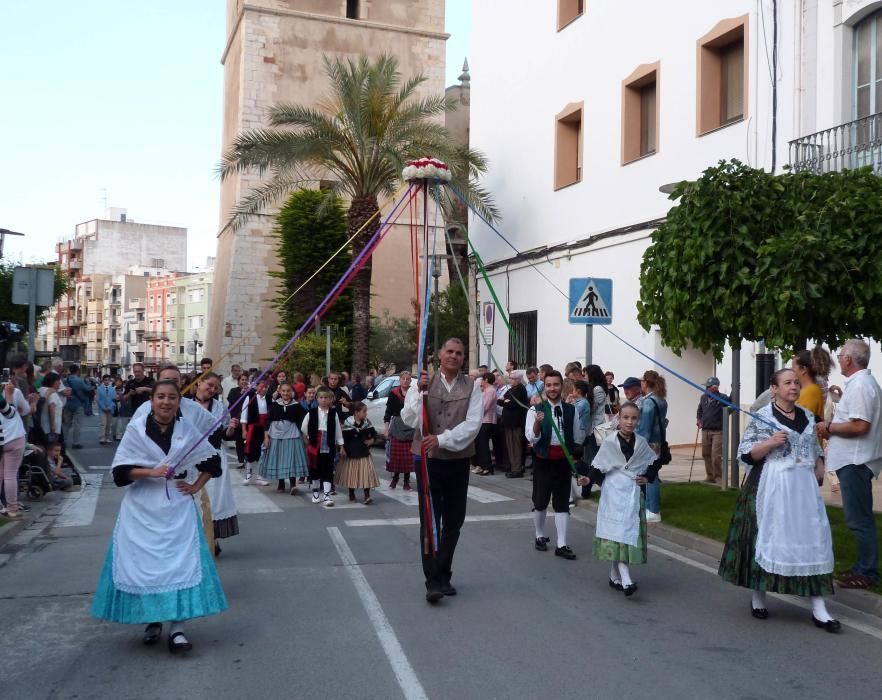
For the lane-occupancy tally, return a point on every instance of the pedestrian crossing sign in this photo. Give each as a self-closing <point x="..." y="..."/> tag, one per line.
<point x="590" y="300"/>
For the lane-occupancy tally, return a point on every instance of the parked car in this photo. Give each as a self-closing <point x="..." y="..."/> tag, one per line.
<point x="376" y="402"/>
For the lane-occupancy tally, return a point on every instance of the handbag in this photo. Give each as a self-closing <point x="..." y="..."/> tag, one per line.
<point x="602" y="431"/>
<point x="664" y="452"/>
<point x="400" y="430"/>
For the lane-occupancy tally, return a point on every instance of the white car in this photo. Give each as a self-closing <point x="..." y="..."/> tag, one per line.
<point x="376" y="402"/>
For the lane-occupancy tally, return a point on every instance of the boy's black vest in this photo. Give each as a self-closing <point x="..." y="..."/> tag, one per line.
<point x="312" y="432"/>
<point x="569" y="412"/>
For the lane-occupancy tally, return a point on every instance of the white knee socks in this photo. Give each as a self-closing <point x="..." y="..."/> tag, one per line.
<point x="819" y="609"/>
<point x="539" y="522"/>
<point x="614" y="572"/>
<point x="560" y="524"/>
<point x="758" y="600"/>
<point x="625" y="574"/>
<point x="326" y="485"/>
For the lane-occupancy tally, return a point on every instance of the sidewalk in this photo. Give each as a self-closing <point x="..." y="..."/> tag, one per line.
<point x="681" y="463"/>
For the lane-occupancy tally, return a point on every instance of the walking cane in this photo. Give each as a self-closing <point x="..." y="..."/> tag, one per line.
<point x="694" y="450"/>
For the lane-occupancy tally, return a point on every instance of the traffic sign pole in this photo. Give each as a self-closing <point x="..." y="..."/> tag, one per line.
<point x="589" y="342"/>
<point x="32" y="313"/>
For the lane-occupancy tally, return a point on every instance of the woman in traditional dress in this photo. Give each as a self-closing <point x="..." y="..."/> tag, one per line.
<point x="399" y="458"/>
<point x="623" y="465"/>
<point x="779" y="539"/>
<point x="284" y="456"/>
<point x="224" y="515"/>
<point x="158" y="566"/>
<point x="356" y="469"/>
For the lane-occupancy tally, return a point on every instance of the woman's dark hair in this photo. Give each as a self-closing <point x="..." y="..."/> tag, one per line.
<point x="582" y="387"/>
<point x="804" y="359"/>
<point x="776" y="377"/>
<point x="165" y="383"/>
<point x="488" y="377"/>
<point x="356" y="406"/>
<point x="655" y="383"/>
<point x="51" y="379"/>
<point x="595" y="377"/>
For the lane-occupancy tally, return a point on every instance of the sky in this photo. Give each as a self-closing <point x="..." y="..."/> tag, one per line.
<point x="118" y="103"/>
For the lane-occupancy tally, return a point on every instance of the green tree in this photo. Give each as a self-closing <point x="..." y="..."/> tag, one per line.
<point x="393" y="341"/>
<point x="361" y="135"/>
<point x="782" y="258"/>
<point x="454" y="316"/>
<point x="308" y="355"/>
<point x="310" y="228"/>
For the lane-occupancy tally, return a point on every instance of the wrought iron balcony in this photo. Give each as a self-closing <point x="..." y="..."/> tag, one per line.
<point x="848" y="146"/>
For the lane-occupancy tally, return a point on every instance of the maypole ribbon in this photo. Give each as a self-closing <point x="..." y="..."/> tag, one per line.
<point x="343" y="247"/>
<point x="655" y="361"/>
<point x="383" y="228"/>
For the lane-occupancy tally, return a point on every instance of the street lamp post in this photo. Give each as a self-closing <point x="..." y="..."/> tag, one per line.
<point x="436" y="274"/>
<point x="196" y="346"/>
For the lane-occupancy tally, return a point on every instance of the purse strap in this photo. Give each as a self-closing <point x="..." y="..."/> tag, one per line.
<point x="658" y="420"/>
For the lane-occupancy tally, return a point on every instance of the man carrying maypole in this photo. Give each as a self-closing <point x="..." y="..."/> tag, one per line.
<point x="446" y="412"/>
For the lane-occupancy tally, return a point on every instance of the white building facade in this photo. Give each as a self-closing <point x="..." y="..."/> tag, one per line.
<point x="586" y="109"/>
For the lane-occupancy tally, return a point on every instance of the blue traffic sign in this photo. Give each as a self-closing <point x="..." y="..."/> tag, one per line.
<point x="590" y="300"/>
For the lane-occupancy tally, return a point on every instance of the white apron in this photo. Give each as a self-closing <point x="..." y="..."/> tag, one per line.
<point x="156" y="538"/>
<point x="219" y="490"/>
<point x="618" y="515"/>
<point x="793" y="537"/>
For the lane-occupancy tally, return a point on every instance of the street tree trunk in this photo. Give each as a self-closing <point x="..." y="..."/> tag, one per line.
<point x="362" y="209"/>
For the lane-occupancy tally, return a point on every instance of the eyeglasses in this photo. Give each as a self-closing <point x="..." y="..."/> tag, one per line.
<point x="841" y="355"/>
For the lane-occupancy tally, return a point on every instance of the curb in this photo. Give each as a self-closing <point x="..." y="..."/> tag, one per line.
<point x="863" y="601"/>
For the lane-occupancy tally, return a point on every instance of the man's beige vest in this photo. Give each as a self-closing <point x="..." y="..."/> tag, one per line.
<point x="446" y="410"/>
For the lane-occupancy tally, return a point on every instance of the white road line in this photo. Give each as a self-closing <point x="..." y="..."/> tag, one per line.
<point x="416" y="521"/>
<point x="78" y="507"/>
<point x="249" y="499"/>
<point x="404" y="673"/>
<point x="101" y="468"/>
<point x="792" y="600"/>
<point x="409" y="498"/>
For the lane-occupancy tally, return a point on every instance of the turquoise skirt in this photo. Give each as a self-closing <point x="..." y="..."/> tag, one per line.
<point x="285" y="459"/>
<point x="131" y="608"/>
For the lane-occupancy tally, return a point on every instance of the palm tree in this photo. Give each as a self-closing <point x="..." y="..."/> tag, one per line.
<point x="361" y="135"/>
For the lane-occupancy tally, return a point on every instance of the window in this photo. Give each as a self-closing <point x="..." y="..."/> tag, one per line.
<point x="569" y="11"/>
<point x="640" y="114"/>
<point x="196" y="295"/>
<point x="568" y="146"/>
<point x="352" y="9"/>
<point x="152" y="303"/>
<point x="194" y="322"/>
<point x="157" y="262"/>
<point x="868" y="66"/>
<point x="171" y="299"/>
<point x="180" y="349"/>
<point x="140" y="315"/>
<point x="722" y="75"/>
<point x="522" y="341"/>
<point x="171" y="324"/>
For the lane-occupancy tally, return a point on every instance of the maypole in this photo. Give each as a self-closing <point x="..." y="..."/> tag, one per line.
<point x="422" y="173"/>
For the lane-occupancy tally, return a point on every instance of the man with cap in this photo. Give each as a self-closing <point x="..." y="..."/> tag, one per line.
<point x="631" y="389"/>
<point x="710" y="419"/>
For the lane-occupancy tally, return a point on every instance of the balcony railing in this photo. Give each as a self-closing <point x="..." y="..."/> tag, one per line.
<point x="856" y="144"/>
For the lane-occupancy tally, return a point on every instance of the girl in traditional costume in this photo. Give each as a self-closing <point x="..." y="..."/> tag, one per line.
<point x="255" y="413"/>
<point x="356" y="469"/>
<point x="285" y="454"/>
<point x="623" y="464"/>
<point x="779" y="538"/>
<point x="211" y="415"/>
<point x="158" y="566"/>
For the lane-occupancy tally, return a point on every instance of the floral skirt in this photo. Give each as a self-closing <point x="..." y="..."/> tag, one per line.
<point x="738" y="565"/>
<point x="609" y="550"/>
<point x="357" y="473"/>
<point x="285" y="459"/>
<point x="207" y="598"/>
<point x="400" y="457"/>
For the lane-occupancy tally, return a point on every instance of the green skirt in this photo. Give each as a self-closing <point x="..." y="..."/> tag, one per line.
<point x="738" y="565"/>
<point x="609" y="550"/>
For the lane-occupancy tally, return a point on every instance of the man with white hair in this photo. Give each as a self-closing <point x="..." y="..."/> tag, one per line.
<point x="854" y="452"/>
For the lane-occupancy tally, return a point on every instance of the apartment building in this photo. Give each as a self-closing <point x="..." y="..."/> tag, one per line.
<point x="626" y="98"/>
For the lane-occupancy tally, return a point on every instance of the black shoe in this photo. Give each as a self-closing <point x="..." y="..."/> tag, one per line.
<point x="616" y="585"/>
<point x="564" y="552"/>
<point x="217" y="549"/>
<point x="175" y="647"/>
<point x="541" y="544"/>
<point x="630" y="589"/>
<point x="761" y="613"/>
<point x="448" y="589"/>
<point x="514" y="475"/>
<point x="434" y="593"/>
<point x="153" y="633"/>
<point x="830" y="625"/>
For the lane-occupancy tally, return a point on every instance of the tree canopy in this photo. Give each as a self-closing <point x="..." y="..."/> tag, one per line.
<point x="781" y="258"/>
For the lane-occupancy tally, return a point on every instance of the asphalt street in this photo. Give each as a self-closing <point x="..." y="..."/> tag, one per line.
<point x="328" y="603"/>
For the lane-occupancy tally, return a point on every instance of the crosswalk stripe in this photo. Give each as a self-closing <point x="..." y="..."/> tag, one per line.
<point x="249" y="499"/>
<point x="409" y="498"/>
<point x="78" y="507"/>
<point x="416" y="521"/>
